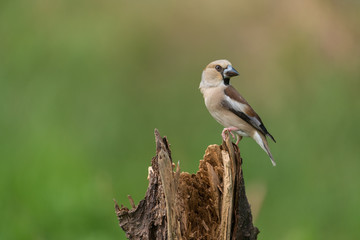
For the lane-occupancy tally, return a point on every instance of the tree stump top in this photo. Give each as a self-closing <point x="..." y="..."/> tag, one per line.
<point x="210" y="204"/>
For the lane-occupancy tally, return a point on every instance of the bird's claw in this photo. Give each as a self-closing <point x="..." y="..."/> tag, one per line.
<point x="238" y="138"/>
<point x="229" y="130"/>
<point x="232" y="134"/>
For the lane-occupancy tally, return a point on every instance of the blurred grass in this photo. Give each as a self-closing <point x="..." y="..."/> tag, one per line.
<point x="83" y="85"/>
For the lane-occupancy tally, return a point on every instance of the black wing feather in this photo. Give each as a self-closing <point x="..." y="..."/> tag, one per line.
<point x="249" y="120"/>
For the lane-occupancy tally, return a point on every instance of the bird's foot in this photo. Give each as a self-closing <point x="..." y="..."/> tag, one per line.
<point x="238" y="138"/>
<point x="229" y="129"/>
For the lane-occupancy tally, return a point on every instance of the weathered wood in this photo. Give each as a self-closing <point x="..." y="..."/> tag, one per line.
<point x="170" y="183"/>
<point x="227" y="202"/>
<point x="210" y="204"/>
<point x="148" y="219"/>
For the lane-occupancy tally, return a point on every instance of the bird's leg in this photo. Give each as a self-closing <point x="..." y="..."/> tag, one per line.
<point x="238" y="138"/>
<point x="230" y="129"/>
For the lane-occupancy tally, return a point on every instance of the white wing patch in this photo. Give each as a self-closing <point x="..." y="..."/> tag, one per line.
<point x="240" y="107"/>
<point x="235" y="104"/>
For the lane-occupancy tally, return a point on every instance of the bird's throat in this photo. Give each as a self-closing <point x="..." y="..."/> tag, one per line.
<point x="226" y="81"/>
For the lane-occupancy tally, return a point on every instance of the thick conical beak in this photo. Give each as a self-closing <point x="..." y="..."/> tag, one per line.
<point x="230" y="72"/>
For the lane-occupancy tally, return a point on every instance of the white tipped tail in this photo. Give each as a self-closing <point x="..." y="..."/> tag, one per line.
<point x="261" y="140"/>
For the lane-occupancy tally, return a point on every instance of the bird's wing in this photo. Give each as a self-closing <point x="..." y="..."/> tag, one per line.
<point x="235" y="103"/>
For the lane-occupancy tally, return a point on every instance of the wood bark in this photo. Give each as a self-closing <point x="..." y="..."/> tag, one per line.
<point x="210" y="204"/>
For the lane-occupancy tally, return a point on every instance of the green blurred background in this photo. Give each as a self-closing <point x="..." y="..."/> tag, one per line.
<point x="83" y="84"/>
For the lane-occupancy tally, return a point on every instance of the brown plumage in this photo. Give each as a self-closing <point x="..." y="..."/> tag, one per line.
<point x="250" y="114"/>
<point x="228" y="107"/>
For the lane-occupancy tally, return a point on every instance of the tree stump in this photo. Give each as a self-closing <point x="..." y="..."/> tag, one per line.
<point x="210" y="204"/>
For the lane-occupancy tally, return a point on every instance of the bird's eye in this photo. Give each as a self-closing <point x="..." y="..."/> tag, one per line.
<point x="218" y="68"/>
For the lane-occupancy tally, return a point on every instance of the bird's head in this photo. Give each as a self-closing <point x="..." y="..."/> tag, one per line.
<point x="216" y="73"/>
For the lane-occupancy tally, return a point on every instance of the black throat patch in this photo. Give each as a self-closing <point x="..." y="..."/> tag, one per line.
<point x="226" y="81"/>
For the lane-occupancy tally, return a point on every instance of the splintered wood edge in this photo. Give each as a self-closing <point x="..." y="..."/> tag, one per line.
<point x="169" y="182"/>
<point x="165" y="171"/>
<point x="227" y="202"/>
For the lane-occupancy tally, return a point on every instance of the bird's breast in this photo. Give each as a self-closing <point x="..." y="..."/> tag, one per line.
<point x="213" y="100"/>
<point x="213" y="97"/>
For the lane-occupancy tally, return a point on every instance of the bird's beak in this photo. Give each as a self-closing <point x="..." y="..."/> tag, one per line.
<point x="230" y="72"/>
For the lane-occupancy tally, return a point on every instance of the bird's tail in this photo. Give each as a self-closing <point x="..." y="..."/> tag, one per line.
<point x="261" y="140"/>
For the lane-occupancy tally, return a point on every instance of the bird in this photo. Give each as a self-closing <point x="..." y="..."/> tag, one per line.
<point x="229" y="108"/>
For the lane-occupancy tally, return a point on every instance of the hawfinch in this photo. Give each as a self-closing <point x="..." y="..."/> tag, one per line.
<point x="229" y="108"/>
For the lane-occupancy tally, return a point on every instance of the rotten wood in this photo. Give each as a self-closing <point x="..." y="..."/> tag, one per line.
<point x="210" y="204"/>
